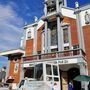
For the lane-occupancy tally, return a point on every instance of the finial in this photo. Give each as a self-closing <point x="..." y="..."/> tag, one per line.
<point x="76" y="4"/>
<point x="36" y="19"/>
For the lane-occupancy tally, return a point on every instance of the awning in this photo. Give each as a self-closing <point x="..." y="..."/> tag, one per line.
<point x="82" y="78"/>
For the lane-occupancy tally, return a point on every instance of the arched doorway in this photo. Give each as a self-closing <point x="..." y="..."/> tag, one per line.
<point x="72" y="73"/>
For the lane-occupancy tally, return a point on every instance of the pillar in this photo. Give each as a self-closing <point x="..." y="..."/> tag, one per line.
<point x="46" y="27"/>
<point x="69" y="36"/>
<point x="83" y="71"/>
<point x="35" y="40"/>
<point x="7" y="69"/>
<point x="46" y="37"/>
<point x="24" y="38"/>
<point x="79" y="27"/>
<point x="59" y="31"/>
<point x="21" y="72"/>
<point x="49" y="40"/>
<point x="43" y="43"/>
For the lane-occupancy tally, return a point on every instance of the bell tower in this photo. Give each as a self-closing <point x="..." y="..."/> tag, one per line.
<point x="53" y="18"/>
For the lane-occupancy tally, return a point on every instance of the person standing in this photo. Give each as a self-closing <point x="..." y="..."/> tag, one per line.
<point x="89" y="86"/>
<point x="70" y="86"/>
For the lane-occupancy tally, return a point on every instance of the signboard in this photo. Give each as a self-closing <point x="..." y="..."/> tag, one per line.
<point x="63" y="61"/>
<point x="31" y="64"/>
<point x="67" y="61"/>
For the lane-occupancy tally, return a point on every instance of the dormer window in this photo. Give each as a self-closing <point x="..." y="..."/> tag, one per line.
<point x="29" y="34"/>
<point x="87" y="18"/>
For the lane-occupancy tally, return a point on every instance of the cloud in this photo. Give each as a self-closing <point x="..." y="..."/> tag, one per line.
<point x="10" y="27"/>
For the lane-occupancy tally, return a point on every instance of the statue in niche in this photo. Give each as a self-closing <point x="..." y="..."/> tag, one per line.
<point x="87" y="18"/>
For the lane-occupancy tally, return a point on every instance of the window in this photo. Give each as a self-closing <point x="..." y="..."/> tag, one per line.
<point x="48" y="69"/>
<point x="54" y="50"/>
<point x="65" y="35"/>
<point x="75" y="46"/>
<point x="53" y="28"/>
<point x="56" y="79"/>
<point x="76" y="51"/>
<point x="29" y="34"/>
<point x="39" y="72"/>
<point x="66" y="48"/>
<point x="35" y="72"/>
<point x="55" y="70"/>
<point x="49" y="78"/>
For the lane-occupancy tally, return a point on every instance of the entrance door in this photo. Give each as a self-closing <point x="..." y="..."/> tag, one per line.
<point x="72" y="73"/>
<point x="64" y="80"/>
<point x="52" y="76"/>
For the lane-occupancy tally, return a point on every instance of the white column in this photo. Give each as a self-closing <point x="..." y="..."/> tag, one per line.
<point x="80" y="31"/>
<point x="21" y="72"/>
<point x="69" y="36"/>
<point x="79" y="26"/>
<point x="59" y="30"/>
<point x="24" y="38"/>
<point x="7" y="69"/>
<point x="46" y="27"/>
<point x="59" y="35"/>
<point x="45" y="8"/>
<point x="46" y="38"/>
<point x="49" y="40"/>
<point x="44" y="71"/>
<point x="43" y="42"/>
<point x="65" y="3"/>
<point x="83" y="71"/>
<point x="35" y="40"/>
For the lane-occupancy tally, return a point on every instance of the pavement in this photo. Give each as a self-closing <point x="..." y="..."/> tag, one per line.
<point x="2" y="88"/>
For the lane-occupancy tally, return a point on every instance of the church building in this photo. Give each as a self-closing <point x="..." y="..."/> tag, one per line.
<point x="54" y="49"/>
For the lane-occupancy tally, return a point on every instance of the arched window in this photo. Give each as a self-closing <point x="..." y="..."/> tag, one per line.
<point x="29" y="34"/>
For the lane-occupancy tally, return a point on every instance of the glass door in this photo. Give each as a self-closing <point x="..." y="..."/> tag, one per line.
<point x="52" y="76"/>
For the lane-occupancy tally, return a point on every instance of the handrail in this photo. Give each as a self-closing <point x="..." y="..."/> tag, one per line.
<point x="65" y="53"/>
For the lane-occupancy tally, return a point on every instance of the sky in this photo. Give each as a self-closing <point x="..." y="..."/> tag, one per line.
<point x="14" y="14"/>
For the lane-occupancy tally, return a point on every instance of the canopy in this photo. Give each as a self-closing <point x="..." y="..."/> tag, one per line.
<point x="82" y="78"/>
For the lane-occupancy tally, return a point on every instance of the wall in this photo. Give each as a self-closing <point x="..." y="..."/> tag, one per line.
<point x="29" y="47"/>
<point x="39" y="39"/>
<point x="12" y="72"/>
<point x="73" y="29"/>
<point x="86" y="30"/>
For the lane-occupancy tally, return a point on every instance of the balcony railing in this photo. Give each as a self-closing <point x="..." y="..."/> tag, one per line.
<point x="69" y="53"/>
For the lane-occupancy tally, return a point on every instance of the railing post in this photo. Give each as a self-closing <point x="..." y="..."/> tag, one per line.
<point x="56" y="55"/>
<point x="80" y="50"/>
<point x="37" y="57"/>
